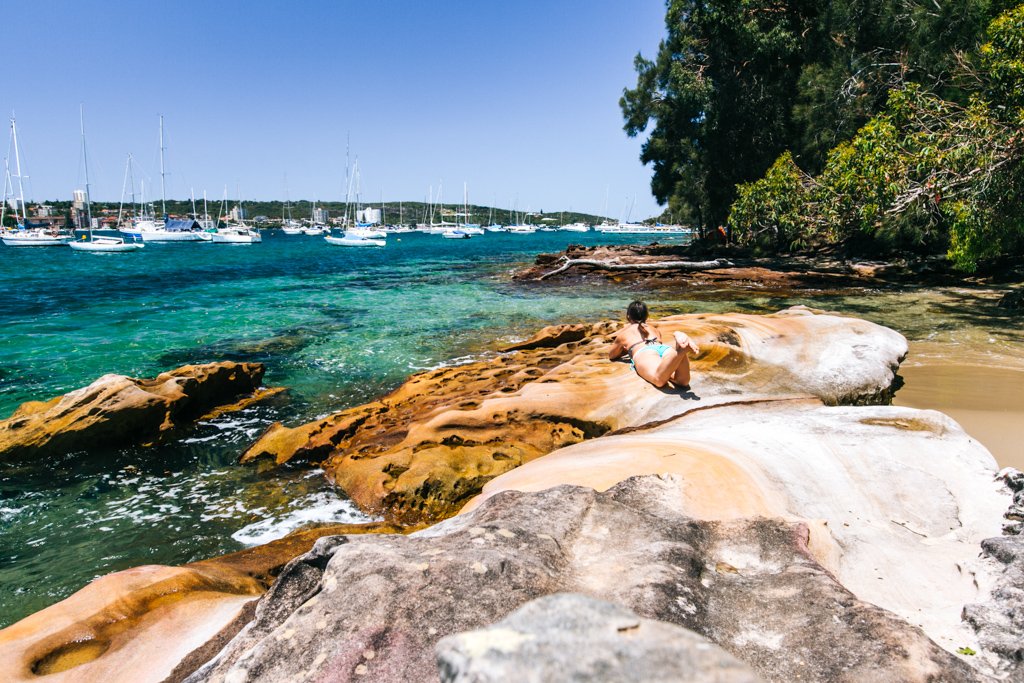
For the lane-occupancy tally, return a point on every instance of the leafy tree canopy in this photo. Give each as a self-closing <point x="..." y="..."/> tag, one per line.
<point x="737" y="82"/>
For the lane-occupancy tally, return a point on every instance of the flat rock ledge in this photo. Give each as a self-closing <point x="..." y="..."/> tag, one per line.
<point x="420" y="453"/>
<point x="377" y="607"/>
<point x="572" y="637"/>
<point x="116" y="410"/>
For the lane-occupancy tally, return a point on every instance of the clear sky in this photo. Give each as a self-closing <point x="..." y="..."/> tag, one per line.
<point x="518" y="99"/>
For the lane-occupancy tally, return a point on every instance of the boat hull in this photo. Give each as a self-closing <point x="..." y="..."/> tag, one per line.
<point x="26" y="241"/>
<point x="163" y="235"/>
<point x="221" y="238"/>
<point x="98" y="247"/>
<point x="353" y="241"/>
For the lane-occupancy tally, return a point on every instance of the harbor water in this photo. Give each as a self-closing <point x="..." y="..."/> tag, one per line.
<point x="336" y="326"/>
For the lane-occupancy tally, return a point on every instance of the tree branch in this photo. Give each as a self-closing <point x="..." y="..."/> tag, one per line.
<point x="658" y="265"/>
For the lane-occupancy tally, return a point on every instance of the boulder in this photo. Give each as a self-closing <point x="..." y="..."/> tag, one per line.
<point x="116" y="410"/>
<point x="376" y="607"/>
<point x="152" y="623"/>
<point x="571" y="637"/>
<point x="420" y="453"/>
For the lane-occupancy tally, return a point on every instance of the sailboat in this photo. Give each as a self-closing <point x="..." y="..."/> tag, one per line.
<point x="237" y="233"/>
<point x="149" y="228"/>
<point x="354" y="236"/>
<point x="289" y="225"/>
<point x="94" y="243"/>
<point x="25" y="235"/>
<point x="313" y="229"/>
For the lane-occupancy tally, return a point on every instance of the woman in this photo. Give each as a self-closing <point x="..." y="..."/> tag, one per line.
<point x="656" y="362"/>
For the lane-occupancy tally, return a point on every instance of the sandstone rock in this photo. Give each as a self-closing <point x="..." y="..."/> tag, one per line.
<point x="116" y="410"/>
<point x="896" y="500"/>
<point x="420" y="453"/>
<point x="570" y="637"/>
<point x="147" y="623"/>
<point x="375" y="607"/>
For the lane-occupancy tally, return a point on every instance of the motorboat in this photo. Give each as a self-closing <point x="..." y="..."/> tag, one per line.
<point x="237" y="233"/>
<point x="576" y="227"/>
<point x="456" y="234"/>
<point x="35" y="237"/>
<point x="366" y="231"/>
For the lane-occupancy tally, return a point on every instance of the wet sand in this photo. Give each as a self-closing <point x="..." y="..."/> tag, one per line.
<point x="987" y="400"/>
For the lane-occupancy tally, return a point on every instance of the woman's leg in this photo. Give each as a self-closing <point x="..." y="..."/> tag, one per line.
<point x="674" y="365"/>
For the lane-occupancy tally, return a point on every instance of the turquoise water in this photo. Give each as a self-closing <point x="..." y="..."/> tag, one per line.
<point x="337" y="326"/>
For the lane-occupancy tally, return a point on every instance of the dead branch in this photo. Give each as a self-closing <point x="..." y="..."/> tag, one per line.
<point x="657" y="265"/>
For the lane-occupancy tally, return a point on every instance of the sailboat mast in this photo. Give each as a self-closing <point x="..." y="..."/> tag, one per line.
<point x="124" y="186"/>
<point x="7" y="184"/>
<point x="85" y="160"/>
<point x="163" y="188"/>
<point x="17" y="171"/>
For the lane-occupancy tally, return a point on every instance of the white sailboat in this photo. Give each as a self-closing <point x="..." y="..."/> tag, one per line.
<point x="289" y="225"/>
<point x="150" y="229"/>
<point x="94" y="243"/>
<point x="25" y="235"/>
<point x="237" y="232"/>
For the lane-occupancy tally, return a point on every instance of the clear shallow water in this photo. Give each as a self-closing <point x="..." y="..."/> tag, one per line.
<point x="338" y="326"/>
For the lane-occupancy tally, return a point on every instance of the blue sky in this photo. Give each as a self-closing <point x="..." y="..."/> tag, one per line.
<point x="517" y="99"/>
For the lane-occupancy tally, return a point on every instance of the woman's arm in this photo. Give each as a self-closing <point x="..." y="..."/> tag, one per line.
<point x="617" y="349"/>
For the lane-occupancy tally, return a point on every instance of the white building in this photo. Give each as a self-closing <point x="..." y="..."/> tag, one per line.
<point x="368" y="215"/>
<point x="78" y="199"/>
<point x="320" y="215"/>
<point x="237" y="214"/>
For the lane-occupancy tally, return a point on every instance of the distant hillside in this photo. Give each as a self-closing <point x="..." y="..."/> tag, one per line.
<point x="394" y="212"/>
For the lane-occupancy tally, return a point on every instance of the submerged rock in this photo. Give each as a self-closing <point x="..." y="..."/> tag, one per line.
<point x="116" y="410"/>
<point x="570" y="637"/>
<point x="375" y="607"/>
<point x="420" y="453"/>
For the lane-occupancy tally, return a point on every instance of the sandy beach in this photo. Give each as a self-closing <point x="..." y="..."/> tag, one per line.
<point x="985" y="395"/>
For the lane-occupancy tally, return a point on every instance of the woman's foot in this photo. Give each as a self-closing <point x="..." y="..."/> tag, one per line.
<point x="684" y="343"/>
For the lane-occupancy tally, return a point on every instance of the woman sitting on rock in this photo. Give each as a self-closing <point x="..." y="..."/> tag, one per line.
<point x="656" y="362"/>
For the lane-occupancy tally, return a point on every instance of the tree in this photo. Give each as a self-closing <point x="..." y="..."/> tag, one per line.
<point x="737" y="82"/>
<point x="926" y="172"/>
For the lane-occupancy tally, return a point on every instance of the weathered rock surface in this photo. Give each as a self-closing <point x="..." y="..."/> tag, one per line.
<point x="570" y="637"/>
<point x="421" y="452"/>
<point x="1000" y="621"/>
<point x="146" y="623"/>
<point x="116" y="410"/>
<point x="375" y="607"/>
<point x="897" y="501"/>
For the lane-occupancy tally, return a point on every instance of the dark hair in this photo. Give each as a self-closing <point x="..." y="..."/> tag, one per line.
<point x="636" y="312"/>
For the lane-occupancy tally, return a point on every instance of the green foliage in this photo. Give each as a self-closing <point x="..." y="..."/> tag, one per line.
<point x="735" y="83"/>
<point x="769" y="213"/>
<point x="925" y="172"/>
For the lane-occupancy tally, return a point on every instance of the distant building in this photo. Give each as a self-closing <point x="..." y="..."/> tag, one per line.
<point x="79" y="200"/>
<point x="44" y="211"/>
<point x="368" y="215"/>
<point x="320" y="215"/>
<point x="237" y="213"/>
<point x="15" y="205"/>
